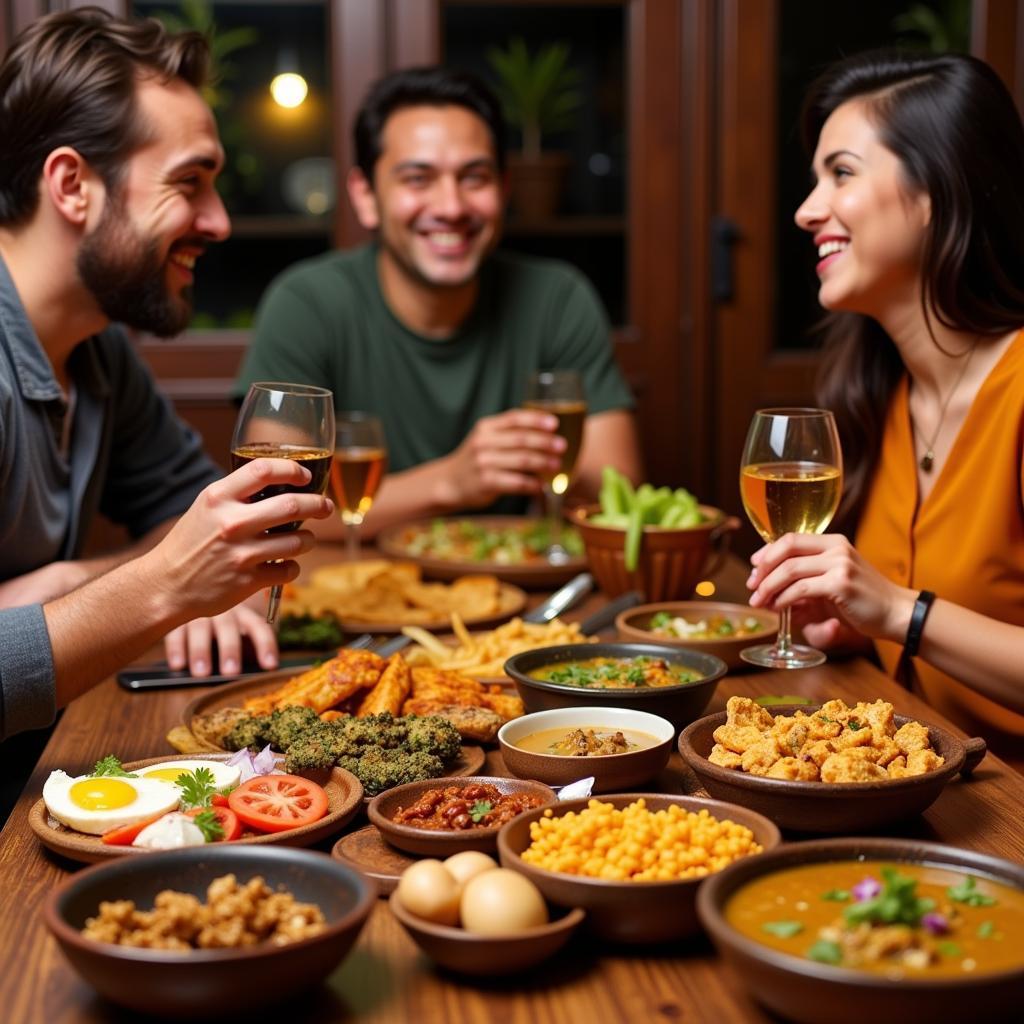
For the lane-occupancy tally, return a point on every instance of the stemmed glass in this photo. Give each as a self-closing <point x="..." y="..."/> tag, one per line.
<point x="791" y="478"/>
<point x="360" y="462"/>
<point x="286" y="421"/>
<point x="559" y="392"/>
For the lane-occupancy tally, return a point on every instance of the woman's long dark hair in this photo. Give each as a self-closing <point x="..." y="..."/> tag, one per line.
<point x="959" y="138"/>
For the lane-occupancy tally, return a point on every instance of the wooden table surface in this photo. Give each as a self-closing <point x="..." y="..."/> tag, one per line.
<point x="385" y="978"/>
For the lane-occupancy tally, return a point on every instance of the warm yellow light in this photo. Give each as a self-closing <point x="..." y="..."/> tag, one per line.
<point x="705" y="588"/>
<point x="289" y="89"/>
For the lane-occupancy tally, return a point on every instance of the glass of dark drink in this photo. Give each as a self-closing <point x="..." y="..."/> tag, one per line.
<point x="286" y="421"/>
<point x="559" y="392"/>
<point x="360" y="462"/>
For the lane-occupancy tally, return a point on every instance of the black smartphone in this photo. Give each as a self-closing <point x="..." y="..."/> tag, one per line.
<point x="160" y="677"/>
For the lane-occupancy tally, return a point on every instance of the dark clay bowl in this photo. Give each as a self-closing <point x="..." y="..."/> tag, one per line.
<point x="638" y="913"/>
<point x="828" y="807"/>
<point x="488" y="955"/>
<point x="679" y="704"/>
<point x="201" y="983"/>
<point x="611" y="772"/>
<point x="809" y="992"/>
<point x="429" y="843"/>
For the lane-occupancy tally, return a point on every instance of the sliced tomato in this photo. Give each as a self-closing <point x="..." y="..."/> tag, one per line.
<point x="227" y="819"/>
<point x="125" y="835"/>
<point x="219" y="800"/>
<point x="276" y="803"/>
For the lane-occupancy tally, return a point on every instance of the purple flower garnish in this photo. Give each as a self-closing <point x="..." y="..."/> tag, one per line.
<point x="936" y="924"/>
<point x="867" y="889"/>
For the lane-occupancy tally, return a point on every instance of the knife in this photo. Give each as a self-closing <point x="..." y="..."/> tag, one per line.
<point x="605" y="617"/>
<point x="561" y="600"/>
<point x="160" y="677"/>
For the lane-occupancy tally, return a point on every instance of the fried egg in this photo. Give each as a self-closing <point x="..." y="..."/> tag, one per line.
<point x="95" y="804"/>
<point x="225" y="776"/>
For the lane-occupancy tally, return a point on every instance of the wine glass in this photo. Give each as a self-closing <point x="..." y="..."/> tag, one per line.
<point x="286" y="421"/>
<point x="791" y="478"/>
<point x="360" y="462"/>
<point x="559" y="392"/>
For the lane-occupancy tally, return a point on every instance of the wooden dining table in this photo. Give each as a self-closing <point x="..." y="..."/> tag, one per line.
<point x="385" y="978"/>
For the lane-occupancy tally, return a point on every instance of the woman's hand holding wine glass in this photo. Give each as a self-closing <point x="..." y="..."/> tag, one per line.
<point x="286" y="421"/>
<point x="791" y="480"/>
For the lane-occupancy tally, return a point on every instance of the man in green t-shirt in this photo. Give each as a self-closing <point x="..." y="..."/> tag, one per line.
<point x="431" y="330"/>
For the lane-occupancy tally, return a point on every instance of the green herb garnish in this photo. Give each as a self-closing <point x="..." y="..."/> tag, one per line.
<point x="837" y="895"/>
<point x="110" y="765"/>
<point x="479" y="809"/>
<point x="986" y="929"/>
<point x="853" y="725"/>
<point x="949" y="949"/>
<point x="783" y="929"/>
<point x="826" y="952"/>
<point x="967" y="892"/>
<point x="897" y="903"/>
<point x="208" y="824"/>
<point x="661" y="620"/>
<point x="197" y="788"/>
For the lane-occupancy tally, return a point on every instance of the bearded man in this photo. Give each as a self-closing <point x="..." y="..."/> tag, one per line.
<point x="106" y="201"/>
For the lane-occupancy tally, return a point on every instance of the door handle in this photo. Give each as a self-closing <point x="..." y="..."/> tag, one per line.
<point x="724" y="235"/>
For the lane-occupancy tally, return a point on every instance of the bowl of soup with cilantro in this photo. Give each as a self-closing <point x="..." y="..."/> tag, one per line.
<point x="675" y="683"/>
<point x="878" y="930"/>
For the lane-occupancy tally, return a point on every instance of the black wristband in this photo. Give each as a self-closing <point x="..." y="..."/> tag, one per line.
<point x="922" y="606"/>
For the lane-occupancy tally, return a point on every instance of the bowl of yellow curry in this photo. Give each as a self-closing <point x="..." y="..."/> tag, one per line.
<point x="892" y="931"/>
<point x="672" y="682"/>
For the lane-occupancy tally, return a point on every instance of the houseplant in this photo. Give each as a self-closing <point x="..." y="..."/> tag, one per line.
<point x="539" y="94"/>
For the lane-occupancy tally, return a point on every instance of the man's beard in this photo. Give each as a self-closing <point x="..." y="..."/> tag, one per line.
<point x="126" y="275"/>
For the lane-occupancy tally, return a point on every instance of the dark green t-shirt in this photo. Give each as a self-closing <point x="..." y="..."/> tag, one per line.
<point x="325" y="322"/>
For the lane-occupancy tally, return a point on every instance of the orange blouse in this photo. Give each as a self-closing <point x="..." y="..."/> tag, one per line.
<point x="966" y="541"/>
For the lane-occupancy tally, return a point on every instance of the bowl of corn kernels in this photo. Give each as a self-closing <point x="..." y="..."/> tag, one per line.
<point x="632" y="861"/>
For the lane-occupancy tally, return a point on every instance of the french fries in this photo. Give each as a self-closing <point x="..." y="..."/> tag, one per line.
<point x="483" y="655"/>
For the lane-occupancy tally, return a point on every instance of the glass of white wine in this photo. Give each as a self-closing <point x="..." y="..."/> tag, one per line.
<point x="559" y="392"/>
<point x="286" y="421"/>
<point x="360" y="462"/>
<point x="791" y="478"/>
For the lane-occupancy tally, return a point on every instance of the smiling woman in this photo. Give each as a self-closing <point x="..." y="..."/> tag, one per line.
<point x="920" y="254"/>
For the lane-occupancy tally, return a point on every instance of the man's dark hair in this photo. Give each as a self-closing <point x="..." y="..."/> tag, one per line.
<point x="69" y="80"/>
<point x="423" y="87"/>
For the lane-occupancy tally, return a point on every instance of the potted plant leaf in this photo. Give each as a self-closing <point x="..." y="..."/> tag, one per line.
<point x="539" y="94"/>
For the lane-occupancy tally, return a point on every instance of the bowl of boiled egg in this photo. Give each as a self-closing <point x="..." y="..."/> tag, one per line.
<point x="171" y="802"/>
<point x="471" y="916"/>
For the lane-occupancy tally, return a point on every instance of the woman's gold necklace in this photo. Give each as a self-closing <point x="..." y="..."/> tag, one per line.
<point x="928" y="459"/>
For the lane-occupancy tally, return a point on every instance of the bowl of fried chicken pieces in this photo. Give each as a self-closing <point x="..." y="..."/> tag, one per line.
<point x="826" y="768"/>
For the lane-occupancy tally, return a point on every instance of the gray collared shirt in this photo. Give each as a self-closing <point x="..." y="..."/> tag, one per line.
<point x="130" y="458"/>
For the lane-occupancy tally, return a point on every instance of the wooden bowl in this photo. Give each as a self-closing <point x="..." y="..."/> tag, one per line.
<point x="200" y="983"/>
<point x="637" y="913"/>
<point x="671" y="562"/>
<point x="429" y="843"/>
<point x="679" y="704"/>
<point x="488" y="955"/>
<point x="828" y="807"/>
<point x="611" y="772"/>
<point x="633" y="625"/>
<point x="809" y="992"/>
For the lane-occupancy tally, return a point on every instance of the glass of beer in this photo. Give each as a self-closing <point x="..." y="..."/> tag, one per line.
<point x="791" y="478"/>
<point x="559" y="392"/>
<point x="286" y="421"/>
<point x="360" y="462"/>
